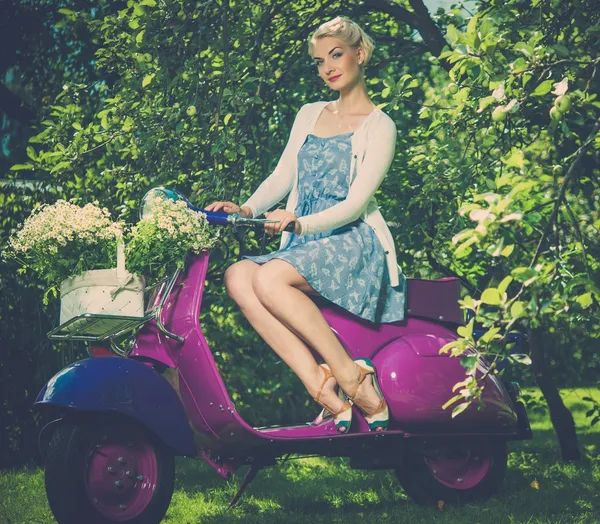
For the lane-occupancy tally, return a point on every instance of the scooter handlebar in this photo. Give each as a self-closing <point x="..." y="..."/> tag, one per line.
<point x="218" y="218"/>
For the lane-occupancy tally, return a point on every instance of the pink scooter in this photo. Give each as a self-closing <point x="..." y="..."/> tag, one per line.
<point x="122" y="416"/>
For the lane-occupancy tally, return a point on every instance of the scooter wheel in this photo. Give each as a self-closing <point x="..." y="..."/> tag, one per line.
<point x="101" y="473"/>
<point x="453" y="472"/>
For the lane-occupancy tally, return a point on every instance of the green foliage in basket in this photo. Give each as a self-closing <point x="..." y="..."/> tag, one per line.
<point x="160" y="241"/>
<point x="63" y="239"/>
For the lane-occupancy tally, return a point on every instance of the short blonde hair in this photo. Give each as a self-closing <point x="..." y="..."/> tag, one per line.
<point x="349" y="32"/>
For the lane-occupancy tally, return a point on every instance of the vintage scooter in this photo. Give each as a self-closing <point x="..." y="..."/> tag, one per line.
<point x="123" y="415"/>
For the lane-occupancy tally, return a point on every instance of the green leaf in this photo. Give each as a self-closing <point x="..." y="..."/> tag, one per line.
<point x="519" y="65"/>
<point x="561" y="50"/>
<point x="516" y="159"/>
<point x="507" y="250"/>
<point x="227" y="118"/>
<point x="489" y="335"/>
<point x="520" y="358"/>
<point x="584" y="300"/>
<point x="60" y="165"/>
<point x="140" y="36"/>
<point x="452" y="33"/>
<point x="543" y="88"/>
<point x="149" y="3"/>
<point x="523" y="273"/>
<point x="459" y="409"/>
<point x="452" y="401"/>
<point x="466" y="331"/>
<point x="30" y="152"/>
<point x="21" y="167"/>
<point x="484" y="102"/>
<point x="517" y="309"/>
<point x="491" y="296"/>
<point x="503" y="286"/>
<point x="469" y="362"/>
<point x="147" y="79"/>
<point x="450" y="345"/>
<point x="523" y="47"/>
<point x="463" y="250"/>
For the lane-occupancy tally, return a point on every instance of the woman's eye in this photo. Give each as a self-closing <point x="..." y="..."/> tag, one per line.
<point x="337" y="55"/>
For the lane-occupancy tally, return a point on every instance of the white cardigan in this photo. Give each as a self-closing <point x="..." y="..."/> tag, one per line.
<point x="373" y="145"/>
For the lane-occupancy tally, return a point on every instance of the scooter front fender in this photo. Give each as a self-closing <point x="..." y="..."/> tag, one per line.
<point x="124" y="386"/>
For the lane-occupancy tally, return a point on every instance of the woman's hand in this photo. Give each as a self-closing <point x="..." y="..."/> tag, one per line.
<point x="284" y="217"/>
<point x="229" y="208"/>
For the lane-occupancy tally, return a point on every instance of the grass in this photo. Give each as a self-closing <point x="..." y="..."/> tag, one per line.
<point x="539" y="488"/>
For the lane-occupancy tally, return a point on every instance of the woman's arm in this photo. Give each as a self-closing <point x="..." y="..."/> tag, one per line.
<point x="279" y="183"/>
<point x="379" y="156"/>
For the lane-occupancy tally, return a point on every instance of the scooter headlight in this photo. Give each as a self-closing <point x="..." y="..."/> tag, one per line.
<point x="160" y="193"/>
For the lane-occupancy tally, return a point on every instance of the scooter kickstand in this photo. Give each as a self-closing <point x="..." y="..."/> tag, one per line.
<point x="250" y="476"/>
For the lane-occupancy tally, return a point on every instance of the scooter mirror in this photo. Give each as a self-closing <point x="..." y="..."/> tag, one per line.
<point x="161" y="193"/>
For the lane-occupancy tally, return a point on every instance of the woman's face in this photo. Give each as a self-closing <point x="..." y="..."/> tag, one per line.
<point x="337" y="62"/>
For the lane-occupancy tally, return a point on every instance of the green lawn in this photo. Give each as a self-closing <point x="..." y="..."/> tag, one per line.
<point x="322" y="490"/>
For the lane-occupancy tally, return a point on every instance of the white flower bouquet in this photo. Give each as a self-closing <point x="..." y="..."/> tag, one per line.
<point x="63" y="239"/>
<point x="160" y="241"/>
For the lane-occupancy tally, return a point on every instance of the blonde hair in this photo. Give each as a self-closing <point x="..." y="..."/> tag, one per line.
<point x="349" y="32"/>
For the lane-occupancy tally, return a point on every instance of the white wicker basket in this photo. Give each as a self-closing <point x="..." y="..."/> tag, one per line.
<point x="103" y="291"/>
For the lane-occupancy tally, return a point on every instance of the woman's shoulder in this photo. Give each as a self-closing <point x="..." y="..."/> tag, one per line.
<point x="384" y="119"/>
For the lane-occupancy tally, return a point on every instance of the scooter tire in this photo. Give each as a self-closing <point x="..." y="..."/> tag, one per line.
<point x="71" y="451"/>
<point x="427" y="487"/>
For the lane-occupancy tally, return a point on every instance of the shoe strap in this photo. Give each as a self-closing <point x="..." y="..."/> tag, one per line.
<point x="343" y="408"/>
<point x="328" y="375"/>
<point x="363" y="374"/>
<point x="380" y="409"/>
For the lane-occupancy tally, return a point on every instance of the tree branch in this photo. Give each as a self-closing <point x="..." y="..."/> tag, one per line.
<point x="563" y="190"/>
<point x="395" y="10"/>
<point x="420" y="20"/>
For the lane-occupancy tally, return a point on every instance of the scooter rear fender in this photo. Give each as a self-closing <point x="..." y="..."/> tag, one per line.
<point x="417" y="381"/>
<point x="123" y="386"/>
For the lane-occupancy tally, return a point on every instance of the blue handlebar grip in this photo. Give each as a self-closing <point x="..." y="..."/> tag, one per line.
<point x="216" y="218"/>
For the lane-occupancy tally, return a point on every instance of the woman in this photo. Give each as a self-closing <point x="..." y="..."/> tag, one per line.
<point x="335" y="159"/>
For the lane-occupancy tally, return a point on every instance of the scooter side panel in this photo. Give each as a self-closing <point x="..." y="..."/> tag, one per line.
<point x="125" y="386"/>
<point x="416" y="387"/>
<point x="362" y="338"/>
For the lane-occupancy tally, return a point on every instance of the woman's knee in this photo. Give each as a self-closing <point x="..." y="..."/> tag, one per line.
<point x="238" y="279"/>
<point x="267" y="281"/>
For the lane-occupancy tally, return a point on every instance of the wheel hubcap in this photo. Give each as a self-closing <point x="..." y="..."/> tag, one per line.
<point x="459" y="468"/>
<point x="120" y="479"/>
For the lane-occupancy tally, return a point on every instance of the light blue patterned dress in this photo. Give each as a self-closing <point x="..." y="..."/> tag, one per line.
<point x="346" y="265"/>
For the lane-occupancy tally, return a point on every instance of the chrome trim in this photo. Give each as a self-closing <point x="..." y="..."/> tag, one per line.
<point x="159" y="309"/>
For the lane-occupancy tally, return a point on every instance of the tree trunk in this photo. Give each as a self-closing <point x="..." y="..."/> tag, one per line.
<point x="561" y="417"/>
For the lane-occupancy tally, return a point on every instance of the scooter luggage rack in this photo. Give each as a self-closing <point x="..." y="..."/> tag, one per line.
<point x="96" y="327"/>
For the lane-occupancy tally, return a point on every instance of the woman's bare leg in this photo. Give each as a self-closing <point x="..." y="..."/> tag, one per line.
<point x="292" y="350"/>
<point x="282" y="291"/>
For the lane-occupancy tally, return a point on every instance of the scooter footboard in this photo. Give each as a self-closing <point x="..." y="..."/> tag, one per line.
<point x="123" y="386"/>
